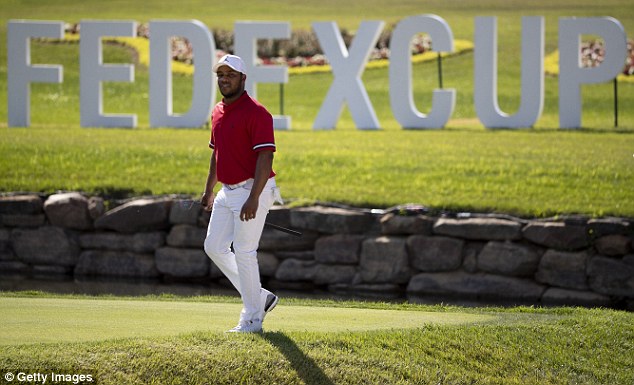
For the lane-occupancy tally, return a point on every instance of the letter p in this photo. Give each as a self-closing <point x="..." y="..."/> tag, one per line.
<point x="572" y="76"/>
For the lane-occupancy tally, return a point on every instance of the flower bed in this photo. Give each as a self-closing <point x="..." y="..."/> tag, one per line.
<point x="302" y="53"/>
<point x="592" y="55"/>
<point x="301" y="50"/>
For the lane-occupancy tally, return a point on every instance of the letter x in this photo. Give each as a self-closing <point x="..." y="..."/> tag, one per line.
<point x="347" y="67"/>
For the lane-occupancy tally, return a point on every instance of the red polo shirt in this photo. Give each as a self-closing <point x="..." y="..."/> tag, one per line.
<point x="238" y="132"/>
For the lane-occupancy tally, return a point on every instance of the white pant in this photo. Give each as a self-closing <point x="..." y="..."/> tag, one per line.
<point x="240" y="266"/>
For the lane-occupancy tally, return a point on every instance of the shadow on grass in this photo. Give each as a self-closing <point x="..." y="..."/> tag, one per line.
<point x="306" y="368"/>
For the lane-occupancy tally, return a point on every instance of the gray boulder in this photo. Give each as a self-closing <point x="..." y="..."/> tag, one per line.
<point x="21" y="204"/>
<point x="187" y="236"/>
<point x="116" y="263"/>
<point x="295" y="270"/>
<point x="96" y="207"/>
<point x="12" y="266"/>
<point x="68" y="210"/>
<point x="182" y="263"/>
<point x="599" y="227"/>
<point x="487" y="229"/>
<point x="22" y="220"/>
<point x="275" y="240"/>
<point x="557" y="235"/>
<point x="267" y="263"/>
<point x="435" y="253"/>
<point x="384" y="260"/>
<point x="185" y="212"/>
<point x="334" y="274"/>
<point x="331" y="220"/>
<point x="21" y="211"/>
<point x="613" y="245"/>
<point x="508" y="258"/>
<point x="563" y="269"/>
<point x="137" y="215"/>
<point x="560" y="297"/>
<point x="611" y="276"/>
<point x="338" y="249"/>
<point x="475" y="285"/>
<point x="393" y="224"/>
<point x="46" y="245"/>
<point x="5" y="238"/>
<point x="139" y="242"/>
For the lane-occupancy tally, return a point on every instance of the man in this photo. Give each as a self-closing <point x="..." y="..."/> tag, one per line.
<point x="243" y="144"/>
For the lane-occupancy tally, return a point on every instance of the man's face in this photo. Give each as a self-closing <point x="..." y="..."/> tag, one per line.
<point x="230" y="82"/>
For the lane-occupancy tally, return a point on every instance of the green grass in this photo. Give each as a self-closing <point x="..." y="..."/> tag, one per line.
<point x="179" y="340"/>
<point x="537" y="172"/>
<point x="159" y="340"/>
<point x="45" y="320"/>
<point x="526" y="173"/>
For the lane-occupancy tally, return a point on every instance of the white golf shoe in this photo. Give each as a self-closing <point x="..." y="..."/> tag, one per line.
<point x="247" y="326"/>
<point x="269" y="303"/>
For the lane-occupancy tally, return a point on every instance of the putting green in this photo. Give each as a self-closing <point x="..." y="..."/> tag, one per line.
<point x="47" y="320"/>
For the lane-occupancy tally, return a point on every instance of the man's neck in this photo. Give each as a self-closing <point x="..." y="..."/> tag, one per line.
<point x="233" y="98"/>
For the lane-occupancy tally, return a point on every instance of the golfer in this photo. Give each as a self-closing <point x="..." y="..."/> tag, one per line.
<point x="243" y="144"/>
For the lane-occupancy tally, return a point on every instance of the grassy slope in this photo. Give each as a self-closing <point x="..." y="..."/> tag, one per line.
<point x="527" y="173"/>
<point x="450" y="345"/>
<point x="537" y="172"/>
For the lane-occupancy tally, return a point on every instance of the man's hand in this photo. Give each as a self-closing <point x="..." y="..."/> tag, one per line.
<point x="207" y="201"/>
<point x="249" y="209"/>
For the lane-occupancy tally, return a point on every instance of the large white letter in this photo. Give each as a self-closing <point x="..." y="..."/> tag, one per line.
<point x="204" y="88"/>
<point x="401" y="94"/>
<point x="347" y="67"/>
<point x="486" y="74"/>
<point x="92" y="72"/>
<point x="247" y="34"/>
<point x="572" y="76"/>
<point x="21" y="73"/>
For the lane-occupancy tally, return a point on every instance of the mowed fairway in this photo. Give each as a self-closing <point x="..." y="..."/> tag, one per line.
<point x="181" y="340"/>
<point x="50" y="320"/>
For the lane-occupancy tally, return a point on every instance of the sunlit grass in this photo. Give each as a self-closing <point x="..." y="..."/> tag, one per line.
<point x="534" y="172"/>
<point x="179" y="340"/>
<point x="526" y="173"/>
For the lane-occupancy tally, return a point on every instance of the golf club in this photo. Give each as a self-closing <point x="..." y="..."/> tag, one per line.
<point x="283" y="229"/>
<point x="189" y="203"/>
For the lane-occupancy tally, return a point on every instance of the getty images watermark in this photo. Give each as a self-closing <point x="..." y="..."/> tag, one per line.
<point x="47" y="378"/>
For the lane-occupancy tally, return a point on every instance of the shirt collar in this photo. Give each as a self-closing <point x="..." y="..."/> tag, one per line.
<point x="238" y="101"/>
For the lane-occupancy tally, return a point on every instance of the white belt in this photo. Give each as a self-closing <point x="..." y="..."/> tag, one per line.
<point x="237" y="185"/>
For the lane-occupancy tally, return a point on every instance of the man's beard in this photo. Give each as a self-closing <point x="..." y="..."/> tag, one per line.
<point x="232" y="92"/>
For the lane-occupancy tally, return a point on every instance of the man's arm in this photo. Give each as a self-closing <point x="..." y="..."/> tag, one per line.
<point x="263" y="169"/>
<point x="207" y="200"/>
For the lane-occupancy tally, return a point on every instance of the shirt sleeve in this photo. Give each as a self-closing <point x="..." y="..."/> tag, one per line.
<point x="263" y="137"/>
<point x="212" y="144"/>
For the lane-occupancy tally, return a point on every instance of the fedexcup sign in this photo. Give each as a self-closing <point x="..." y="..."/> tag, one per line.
<point x="347" y="65"/>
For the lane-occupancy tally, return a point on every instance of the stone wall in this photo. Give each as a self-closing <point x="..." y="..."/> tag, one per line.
<point x="572" y="261"/>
